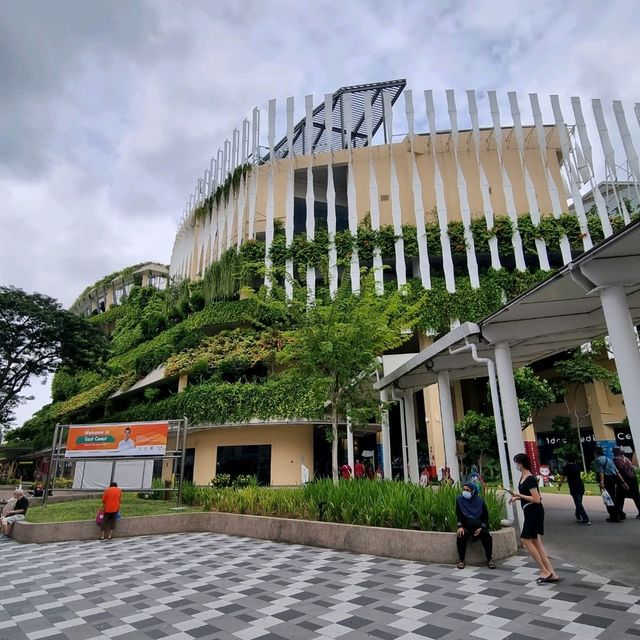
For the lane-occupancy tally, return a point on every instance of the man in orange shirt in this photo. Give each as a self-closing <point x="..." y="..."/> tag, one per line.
<point x="111" y="505"/>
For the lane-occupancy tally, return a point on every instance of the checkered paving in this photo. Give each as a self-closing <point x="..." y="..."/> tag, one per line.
<point x="205" y="586"/>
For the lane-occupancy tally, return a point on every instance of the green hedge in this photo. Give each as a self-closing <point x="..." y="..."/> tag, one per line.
<point x="361" y="502"/>
<point x="550" y="230"/>
<point x="149" y="355"/>
<point x="285" y="397"/>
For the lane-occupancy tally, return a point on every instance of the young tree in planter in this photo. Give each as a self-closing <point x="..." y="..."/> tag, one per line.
<point x="36" y="337"/>
<point x="579" y="369"/>
<point x="478" y="432"/>
<point x="337" y="344"/>
<point x="534" y="394"/>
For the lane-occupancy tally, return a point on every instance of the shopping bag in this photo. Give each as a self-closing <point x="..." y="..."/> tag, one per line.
<point x="100" y="517"/>
<point x="606" y="498"/>
<point x="118" y="516"/>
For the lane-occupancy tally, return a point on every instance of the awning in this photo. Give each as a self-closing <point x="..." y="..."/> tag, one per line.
<point x="556" y="315"/>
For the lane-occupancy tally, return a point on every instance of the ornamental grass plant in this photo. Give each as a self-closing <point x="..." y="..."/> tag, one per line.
<point x="362" y="502"/>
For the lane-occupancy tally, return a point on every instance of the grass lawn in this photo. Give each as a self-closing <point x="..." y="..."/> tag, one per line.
<point x="87" y="509"/>
<point x="588" y="487"/>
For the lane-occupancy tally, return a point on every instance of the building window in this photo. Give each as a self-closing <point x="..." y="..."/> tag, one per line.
<point x="246" y="460"/>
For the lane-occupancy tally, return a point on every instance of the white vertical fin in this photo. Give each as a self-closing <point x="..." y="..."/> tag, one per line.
<point x="507" y="189"/>
<point x="374" y="204"/>
<point x="565" y="146"/>
<point x="487" y="208"/>
<point x="242" y="199"/>
<point x="253" y="178"/>
<point x="351" y="196"/>
<point x="288" y="224"/>
<point x="532" y="200"/>
<point x="310" y="196"/>
<point x="418" y="203"/>
<point x="396" y="211"/>
<point x="331" y="198"/>
<point x="627" y="143"/>
<point x="270" y="198"/>
<point x="465" y="209"/>
<point x="609" y="155"/>
<point x="554" y="196"/>
<point x="441" y="206"/>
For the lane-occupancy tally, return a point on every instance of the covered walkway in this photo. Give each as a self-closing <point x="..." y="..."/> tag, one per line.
<point x="596" y="294"/>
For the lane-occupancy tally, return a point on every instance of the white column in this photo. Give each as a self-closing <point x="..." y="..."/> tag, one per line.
<point x="350" y="460"/>
<point x="448" y="427"/>
<point x="511" y="414"/>
<point x="386" y="438"/>
<point x="412" y="444"/>
<point x="625" y="350"/>
<point x="403" y="433"/>
<point x="509" y="401"/>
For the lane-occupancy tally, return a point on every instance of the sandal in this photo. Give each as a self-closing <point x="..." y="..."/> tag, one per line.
<point x="542" y="580"/>
<point x="552" y="579"/>
<point x="491" y="564"/>
<point x="460" y="565"/>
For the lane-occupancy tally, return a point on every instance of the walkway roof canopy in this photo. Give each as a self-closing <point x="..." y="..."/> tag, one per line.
<point x="560" y="313"/>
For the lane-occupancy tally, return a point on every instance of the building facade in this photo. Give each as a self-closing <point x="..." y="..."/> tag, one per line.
<point x="436" y="172"/>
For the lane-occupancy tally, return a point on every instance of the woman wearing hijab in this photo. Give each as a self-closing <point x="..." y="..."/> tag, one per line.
<point x="473" y="523"/>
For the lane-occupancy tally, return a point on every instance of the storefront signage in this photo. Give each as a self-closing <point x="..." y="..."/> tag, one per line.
<point x="118" y="440"/>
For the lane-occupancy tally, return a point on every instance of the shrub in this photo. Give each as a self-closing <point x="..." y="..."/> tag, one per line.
<point x="221" y="480"/>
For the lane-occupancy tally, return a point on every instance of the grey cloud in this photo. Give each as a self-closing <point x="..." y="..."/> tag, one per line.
<point x="43" y="48"/>
<point x="112" y="109"/>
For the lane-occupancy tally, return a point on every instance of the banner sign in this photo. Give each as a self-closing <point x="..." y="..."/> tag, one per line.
<point x="105" y="440"/>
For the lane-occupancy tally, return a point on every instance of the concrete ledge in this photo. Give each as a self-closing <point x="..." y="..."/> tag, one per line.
<point x="422" y="546"/>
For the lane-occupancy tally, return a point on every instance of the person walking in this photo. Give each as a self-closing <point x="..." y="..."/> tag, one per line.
<point x="628" y="473"/>
<point x="473" y="524"/>
<point x="571" y="473"/>
<point x="358" y="470"/>
<point x="533" y="527"/>
<point x="612" y="482"/>
<point x="111" y="505"/>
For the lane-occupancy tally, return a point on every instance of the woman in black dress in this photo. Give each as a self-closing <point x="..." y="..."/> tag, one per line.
<point x="533" y="527"/>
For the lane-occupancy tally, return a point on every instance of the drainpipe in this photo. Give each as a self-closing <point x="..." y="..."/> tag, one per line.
<point x="495" y="401"/>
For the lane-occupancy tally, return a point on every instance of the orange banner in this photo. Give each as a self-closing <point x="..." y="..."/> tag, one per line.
<point x="122" y="440"/>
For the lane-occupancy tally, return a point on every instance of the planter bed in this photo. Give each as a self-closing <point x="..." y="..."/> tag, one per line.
<point x="421" y="546"/>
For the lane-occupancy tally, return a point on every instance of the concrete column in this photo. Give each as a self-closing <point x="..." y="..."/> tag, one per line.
<point x="350" y="460"/>
<point x="624" y="343"/>
<point x="412" y="444"/>
<point x="183" y="382"/>
<point x="448" y="426"/>
<point x="386" y="438"/>
<point x="434" y="426"/>
<point x="403" y="433"/>
<point x="510" y="412"/>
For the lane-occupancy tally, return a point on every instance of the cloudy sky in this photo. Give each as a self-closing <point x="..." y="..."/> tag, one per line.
<point x="110" y="110"/>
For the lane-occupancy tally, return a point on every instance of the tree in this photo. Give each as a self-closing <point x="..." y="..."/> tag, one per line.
<point x="337" y="344"/>
<point x="36" y="337"/>
<point x="579" y="369"/>
<point x="478" y="432"/>
<point x="534" y="394"/>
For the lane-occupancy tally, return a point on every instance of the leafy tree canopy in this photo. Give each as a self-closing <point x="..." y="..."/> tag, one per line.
<point x="337" y="343"/>
<point x="36" y="337"/>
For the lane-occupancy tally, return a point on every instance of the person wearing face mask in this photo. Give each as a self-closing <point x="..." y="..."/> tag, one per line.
<point x="473" y="524"/>
<point x="533" y="527"/>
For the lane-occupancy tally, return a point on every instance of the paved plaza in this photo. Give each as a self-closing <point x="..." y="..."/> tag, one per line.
<point x="205" y="586"/>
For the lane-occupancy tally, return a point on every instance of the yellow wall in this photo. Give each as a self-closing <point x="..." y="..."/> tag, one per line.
<point x="424" y="160"/>
<point x="291" y="446"/>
